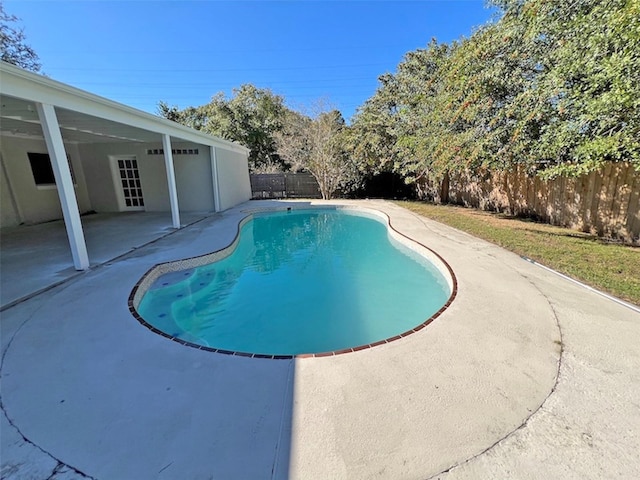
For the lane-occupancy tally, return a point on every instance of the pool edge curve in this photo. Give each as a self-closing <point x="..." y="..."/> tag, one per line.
<point x="147" y="279"/>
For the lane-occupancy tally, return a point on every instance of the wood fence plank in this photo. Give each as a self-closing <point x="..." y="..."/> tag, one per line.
<point x="530" y="199"/>
<point x="587" y="219"/>
<point x="601" y="175"/>
<point x="633" y="207"/>
<point x="558" y="200"/>
<point x="585" y="207"/>
<point x="543" y="188"/>
<point x="521" y="203"/>
<point x="614" y="197"/>
<point x="537" y="192"/>
<point x="557" y="189"/>
<point x="570" y="205"/>
<point x="606" y="202"/>
<point x="515" y="191"/>
<point x="612" y="193"/>
<point x="622" y="192"/>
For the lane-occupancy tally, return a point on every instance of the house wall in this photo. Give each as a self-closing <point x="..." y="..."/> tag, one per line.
<point x="194" y="181"/>
<point x="233" y="178"/>
<point x="9" y="214"/>
<point x="35" y="204"/>
<point x="94" y="178"/>
<point x="99" y="178"/>
<point x="193" y="176"/>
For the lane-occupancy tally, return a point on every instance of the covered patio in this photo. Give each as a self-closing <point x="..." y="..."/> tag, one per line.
<point x="85" y="179"/>
<point x="37" y="257"/>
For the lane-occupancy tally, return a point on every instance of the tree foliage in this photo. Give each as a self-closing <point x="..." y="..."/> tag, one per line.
<point x="13" y="46"/>
<point x="553" y="86"/>
<point x="252" y="116"/>
<point x="591" y="82"/>
<point x="316" y="143"/>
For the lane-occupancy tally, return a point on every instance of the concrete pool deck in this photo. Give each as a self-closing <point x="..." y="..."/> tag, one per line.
<point x="525" y="375"/>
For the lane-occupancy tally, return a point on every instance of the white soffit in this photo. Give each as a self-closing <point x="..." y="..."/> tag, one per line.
<point x="19" y="118"/>
<point x="84" y="117"/>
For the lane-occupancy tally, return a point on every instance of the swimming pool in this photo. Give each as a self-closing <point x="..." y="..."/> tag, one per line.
<point x="298" y="282"/>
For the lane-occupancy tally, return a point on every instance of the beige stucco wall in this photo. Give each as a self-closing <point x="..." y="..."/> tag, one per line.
<point x="9" y="214"/>
<point x="99" y="178"/>
<point x="96" y="188"/>
<point x="193" y="176"/>
<point x="233" y="178"/>
<point x="35" y="204"/>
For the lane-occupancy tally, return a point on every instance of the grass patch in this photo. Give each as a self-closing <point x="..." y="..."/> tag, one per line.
<point x="607" y="266"/>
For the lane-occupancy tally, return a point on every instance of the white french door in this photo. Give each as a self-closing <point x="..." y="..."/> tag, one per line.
<point x="127" y="178"/>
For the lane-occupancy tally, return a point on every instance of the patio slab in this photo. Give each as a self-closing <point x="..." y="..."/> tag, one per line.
<point x="34" y="257"/>
<point x="525" y="375"/>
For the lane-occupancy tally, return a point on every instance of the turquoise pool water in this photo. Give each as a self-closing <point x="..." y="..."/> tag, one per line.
<point x="303" y="281"/>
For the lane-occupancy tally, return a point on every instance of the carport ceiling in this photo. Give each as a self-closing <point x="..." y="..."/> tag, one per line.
<point x="19" y="118"/>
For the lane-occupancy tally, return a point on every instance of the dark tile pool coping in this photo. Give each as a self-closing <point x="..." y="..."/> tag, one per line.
<point x="159" y="269"/>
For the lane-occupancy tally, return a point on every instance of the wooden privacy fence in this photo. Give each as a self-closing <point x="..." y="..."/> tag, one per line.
<point x="605" y="202"/>
<point x="284" y="185"/>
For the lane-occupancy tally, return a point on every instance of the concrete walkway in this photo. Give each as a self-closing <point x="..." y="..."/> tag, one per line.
<point x="526" y="375"/>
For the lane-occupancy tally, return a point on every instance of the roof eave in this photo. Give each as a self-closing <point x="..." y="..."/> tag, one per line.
<point x="20" y="83"/>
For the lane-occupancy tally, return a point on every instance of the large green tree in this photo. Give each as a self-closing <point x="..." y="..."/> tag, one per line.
<point x="13" y="46"/>
<point x="401" y="127"/>
<point x="252" y="116"/>
<point x="372" y="136"/>
<point x="563" y="83"/>
<point x="590" y="81"/>
<point x="551" y="86"/>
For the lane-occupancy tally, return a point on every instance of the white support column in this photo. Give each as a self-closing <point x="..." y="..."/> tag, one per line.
<point x="64" y="184"/>
<point x="171" y="180"/>
<point x="214" y="174"/>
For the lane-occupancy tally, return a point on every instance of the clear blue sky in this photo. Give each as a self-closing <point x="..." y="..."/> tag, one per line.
<point x="183" y="52"/>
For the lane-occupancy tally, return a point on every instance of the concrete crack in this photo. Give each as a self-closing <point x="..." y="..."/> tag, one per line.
<point x="60" y="464"/>
<point x="542" y="404"/>
<point x="286" y="395"/>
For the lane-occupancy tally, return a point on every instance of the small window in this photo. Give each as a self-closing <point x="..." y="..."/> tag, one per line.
<point x="42" y="169"/>
<point x="174" y="151"/>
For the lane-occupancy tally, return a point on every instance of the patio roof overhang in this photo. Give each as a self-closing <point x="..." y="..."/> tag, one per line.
<point x="84" y="117"/>
<point x="32" y="105"/>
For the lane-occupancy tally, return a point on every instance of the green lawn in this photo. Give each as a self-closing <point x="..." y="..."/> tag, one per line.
<point x="607" y="266"/>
